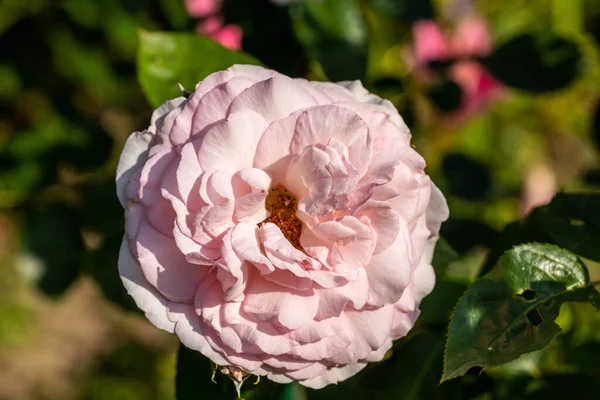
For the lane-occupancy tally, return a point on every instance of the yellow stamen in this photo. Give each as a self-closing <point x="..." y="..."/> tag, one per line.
<point x="282" y="205"/>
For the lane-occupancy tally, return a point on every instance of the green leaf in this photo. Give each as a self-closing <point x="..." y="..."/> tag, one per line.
<point x="165" y="59"/>
<point x="446" y="95"/>
<point x="536" y="62"/>
<point x="176" y="13"/>
<point x="443" y="256"/>
<point x="512" y="311"/>
<point x="571" y="220"/>
<point x="335" y="35"/>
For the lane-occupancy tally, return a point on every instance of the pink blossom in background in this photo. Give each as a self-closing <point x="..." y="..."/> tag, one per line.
<point x="211" y="23"/>
<point x="280" y="227"/>
<point x="229" y="36"/>
<point x="203" y="8"/>
<point x="471" y="39"/>
<point x="539" y="188"/>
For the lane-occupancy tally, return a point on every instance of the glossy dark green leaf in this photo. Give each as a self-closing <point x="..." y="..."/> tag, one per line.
<point x="99" y="264"/>
<point x="467" y="177"/>
<point x="164" y="59"/>
<point x="176" y="13"/>
<point x="571" y="220"/>
<point x="512" y="311"/>
<point x="335" y="35"/>
<point x="595" y="126"/>
<point x="443" y="255"/>
<point x="567" y="386"/>
<point x="53" y="235"/>
<point x="447" y="96"/>
<point x="437" y="307"/>
<point x="388" y="85"/>
<point x="464" y="234"/>
<point x="536" y="62"/>
<point x="268" y="35"/>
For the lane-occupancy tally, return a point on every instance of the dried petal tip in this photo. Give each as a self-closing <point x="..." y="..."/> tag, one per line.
<point x="184" y="92"/>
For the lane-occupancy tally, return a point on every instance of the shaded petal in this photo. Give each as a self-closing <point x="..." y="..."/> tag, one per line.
<point x="158" y="116"/>
<point x="133" y="157"/>
<point x="370" y="330"/>
<point x="165" y="267"/>
<point x="384" y="221"/>
<point x="438" y="211"/>
<point x="232" y="143"/>
<point x="146" y="297"/>
<point x="320" y="125"/>
<point x="269" y="301"/>
<point x="334" y="375"/>
<point x="388" y="272"/>
<point x="245" y="240"/>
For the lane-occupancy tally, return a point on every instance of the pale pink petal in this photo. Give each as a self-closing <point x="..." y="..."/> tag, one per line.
<point x="334" y="91"/>
<point x="334" y="375"/>
<point x="437" y="211"/>
<point x="388" y="272"/>
<point x="370" y="330"/>
<point x="264" y="336"/>
<point x="245" y="242"/>
<point x="165" y="267"/>
<point x="269" y="301"/>
<point x="274" y="145"/>
<point x="159" y="115"/>
<point x="151" y="176"/>
<point x="253" y="72"/>
<point x="232" y="143"/>
<point x="213" y="106"/>
<point x="321" y="124"/>
<point x="384" y="221"/>
<point x="265" y="98"/>
<point x="132" y="159"/>
<point x="146" y="297"/>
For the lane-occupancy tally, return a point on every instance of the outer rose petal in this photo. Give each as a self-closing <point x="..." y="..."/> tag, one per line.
<point x="334" y="375"/>
<point x="133" y="157"/>
<point x="147" y="298"/>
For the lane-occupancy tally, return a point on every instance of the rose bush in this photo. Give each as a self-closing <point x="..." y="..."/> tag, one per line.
<point x="281" y="226"/>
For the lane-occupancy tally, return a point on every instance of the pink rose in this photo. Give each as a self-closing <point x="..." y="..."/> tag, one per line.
<point x="471" y="39"/>
<point x="279" y="226"/>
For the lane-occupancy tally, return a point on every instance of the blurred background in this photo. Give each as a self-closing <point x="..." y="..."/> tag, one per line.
<point x="501" y="98"/>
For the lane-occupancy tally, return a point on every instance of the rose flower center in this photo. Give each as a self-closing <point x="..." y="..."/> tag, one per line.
<point x="282" y="206"/>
